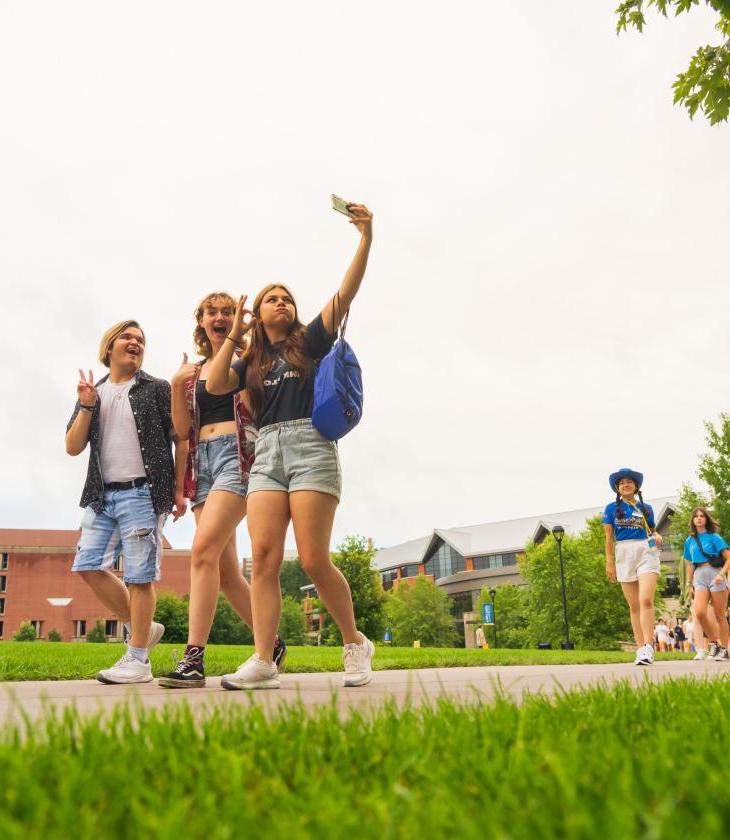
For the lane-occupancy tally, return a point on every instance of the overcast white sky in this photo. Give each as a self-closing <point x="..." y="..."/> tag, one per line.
<point x="547" y="297"/>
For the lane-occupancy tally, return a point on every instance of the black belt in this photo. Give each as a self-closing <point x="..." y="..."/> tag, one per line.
<point x="125" y="485"/>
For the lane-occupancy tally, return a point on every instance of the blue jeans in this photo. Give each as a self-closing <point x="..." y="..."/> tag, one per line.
<point x="218" y="467"/>
<point x="127" y="525"/>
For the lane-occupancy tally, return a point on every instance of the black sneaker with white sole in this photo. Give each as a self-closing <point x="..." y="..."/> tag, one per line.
<point x="189" y="673"/>
<point x="713" y="650"/>
<point x="279" y="654"/>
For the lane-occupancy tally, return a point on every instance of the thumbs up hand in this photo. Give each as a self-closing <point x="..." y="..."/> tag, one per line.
<point x="185" y="373"/>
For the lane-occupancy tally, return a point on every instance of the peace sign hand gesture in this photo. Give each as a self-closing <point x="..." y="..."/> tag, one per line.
<point x="85" y="390"/>
<point x="240" y="325"/>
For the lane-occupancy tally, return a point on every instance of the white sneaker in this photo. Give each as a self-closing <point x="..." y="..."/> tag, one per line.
<point x="127" y="670"/>
<point x="157" y="631"/>
<point x="358" y="663"/>
<point x="640" y="651"/>
<point x="722" y="655"/>
<point x="648" y="655"/>
<point x="254" y="673"/>
<point x="701" y="654"/>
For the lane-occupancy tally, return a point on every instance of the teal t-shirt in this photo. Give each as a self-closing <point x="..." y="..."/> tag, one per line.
<point x="711" y="544"/>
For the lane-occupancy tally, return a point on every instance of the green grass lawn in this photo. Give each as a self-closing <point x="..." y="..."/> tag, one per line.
<point x="612" y="763"/>
<point x="73" y="661"/>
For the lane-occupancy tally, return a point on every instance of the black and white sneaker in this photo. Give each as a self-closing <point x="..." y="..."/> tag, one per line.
<point x="189" y="673"/>
<point x="279" y="654"/>
<point x="713" y="650"/>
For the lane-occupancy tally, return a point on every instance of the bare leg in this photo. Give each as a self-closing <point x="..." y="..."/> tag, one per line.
<point x="111" y="591"/>
<point x="143" y="600"/>
<point x="268" y="520"/>
<point x="647" y="588"/>
<point x="313" y="515"/>
<point x="702" y="599"/>
<point x="234" y="585"/>
<point x="631" y="594"/>
<point x="719" y="605"/>
<point x="221" y="513"/>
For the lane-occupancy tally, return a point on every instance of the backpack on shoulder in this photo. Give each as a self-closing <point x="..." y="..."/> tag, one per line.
<point x="338" y="395"/>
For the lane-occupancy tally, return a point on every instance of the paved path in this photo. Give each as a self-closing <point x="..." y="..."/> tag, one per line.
<point x="417" y="686"/>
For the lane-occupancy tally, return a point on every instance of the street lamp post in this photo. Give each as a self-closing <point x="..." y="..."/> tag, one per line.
<point x="559" y="533"/>
<point x="492" y="595"/>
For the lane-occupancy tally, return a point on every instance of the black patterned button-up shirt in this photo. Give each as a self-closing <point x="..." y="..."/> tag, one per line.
<point x="150" y="402"/>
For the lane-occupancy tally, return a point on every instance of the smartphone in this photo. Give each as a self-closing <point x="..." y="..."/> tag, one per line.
<point x="340" y="205"/>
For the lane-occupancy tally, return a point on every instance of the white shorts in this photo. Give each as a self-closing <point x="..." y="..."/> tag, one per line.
<point x="635" y="558"/>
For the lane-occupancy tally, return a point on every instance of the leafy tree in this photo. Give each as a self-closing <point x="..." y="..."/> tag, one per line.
<point x="292" y="578"/>
<point x="689" y="499"/>
<point x="228" y="629"/>
<point x="510" y="614"/>
<point x="54" y="636"/>
<point x="597" y="612"/>
<point x="421" y="611"/>
<point x="714" y="470"/>
<point x="292" y="625"/>
<point x="173" y="613"/>
<point x="354" y="558"/>
<point x="97" y="633"/>
<point x="25" y="633"/>
<point x="705" y="84"/>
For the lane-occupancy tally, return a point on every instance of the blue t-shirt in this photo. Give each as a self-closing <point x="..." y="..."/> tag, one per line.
<point x="711" y="544"/>
<point x="628" y="523"/>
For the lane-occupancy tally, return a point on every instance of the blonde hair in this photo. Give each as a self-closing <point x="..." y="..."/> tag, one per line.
<point x="200" y="337"/>
<point x="111" y="335"/>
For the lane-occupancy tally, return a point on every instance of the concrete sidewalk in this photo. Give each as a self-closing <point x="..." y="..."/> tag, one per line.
<point x="313" y="690"/>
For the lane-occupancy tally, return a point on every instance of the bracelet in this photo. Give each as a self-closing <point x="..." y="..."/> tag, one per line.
<point x="87" y="408"/>
<point x="237" y="343"/>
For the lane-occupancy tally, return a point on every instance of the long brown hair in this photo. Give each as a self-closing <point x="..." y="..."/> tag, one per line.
<point x="260" y="353"/>
<point x="200" y="337"/>
<point x="710" y="524"/>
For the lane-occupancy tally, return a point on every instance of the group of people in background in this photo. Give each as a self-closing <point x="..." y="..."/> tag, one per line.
<point x="633" y="548"/>
<point x="232" y="436"/>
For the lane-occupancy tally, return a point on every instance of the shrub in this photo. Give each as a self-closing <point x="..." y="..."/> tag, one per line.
<point x="292" y="625"/>
<point x="97" y="632"/>
<point x="25" y="633"/>
<point x="54" y="636"/>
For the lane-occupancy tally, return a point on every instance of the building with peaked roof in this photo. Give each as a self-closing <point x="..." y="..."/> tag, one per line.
<point x="37" y="584"/>
<point x="463" y="560"/>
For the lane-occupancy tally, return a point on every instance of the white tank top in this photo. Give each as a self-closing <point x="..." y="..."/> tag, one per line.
<point x="121" y="458"/>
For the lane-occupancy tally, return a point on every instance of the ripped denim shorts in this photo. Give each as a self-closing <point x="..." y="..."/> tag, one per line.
<point x="127" y="528"/>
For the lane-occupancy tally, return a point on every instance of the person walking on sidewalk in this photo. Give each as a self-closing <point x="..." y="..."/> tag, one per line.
<point x="221" y="435"/>
<point x="296" y="473"/>
<point x="708" y="560"/>
<point x="632" y="556"/>
<point x="132" y="484"/>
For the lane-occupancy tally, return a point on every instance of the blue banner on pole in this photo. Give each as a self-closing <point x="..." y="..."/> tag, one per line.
<point x="488" y="613"/>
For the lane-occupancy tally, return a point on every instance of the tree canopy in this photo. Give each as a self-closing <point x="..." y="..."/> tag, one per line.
<point x="421" y="612"/>
<point x="705" y="84"/>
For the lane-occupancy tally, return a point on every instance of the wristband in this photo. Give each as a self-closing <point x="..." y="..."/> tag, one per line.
<point x="87" y="408"/>
<point x="237" y="343"/>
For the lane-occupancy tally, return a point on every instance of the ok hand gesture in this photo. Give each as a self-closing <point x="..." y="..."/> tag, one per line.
<point x="85" y="390"/>
<point x="240" y="325"/>
<point x="185" y="373"/>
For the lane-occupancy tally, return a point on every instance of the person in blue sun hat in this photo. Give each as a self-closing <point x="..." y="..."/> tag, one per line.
<point x="632" y="555"/>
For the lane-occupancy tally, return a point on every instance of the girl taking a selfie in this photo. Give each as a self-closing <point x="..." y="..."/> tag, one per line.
<point x="296" y="472"/>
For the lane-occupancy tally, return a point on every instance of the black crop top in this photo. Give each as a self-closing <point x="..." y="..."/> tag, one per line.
<point x="213" y="409"/>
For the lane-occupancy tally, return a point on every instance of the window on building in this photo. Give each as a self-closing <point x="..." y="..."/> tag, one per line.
<point x="1" y="628"/>
<point x="38" y="624"/>
<point x="4" y="560"/>
<point x="80" y="628"/>
<point x="495" y="561"/>
<point x="409" y="571"/>
<point x="388" y="577"/>
<point x="111" y="627"/>
<point x="2" y="606"/>
<point x="3" y="583"/>
<point x="461" y="602"/>
<point x="443" y="561"/>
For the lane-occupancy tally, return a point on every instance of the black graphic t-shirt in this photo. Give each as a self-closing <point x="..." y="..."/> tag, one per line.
<point x="284" y="396"/>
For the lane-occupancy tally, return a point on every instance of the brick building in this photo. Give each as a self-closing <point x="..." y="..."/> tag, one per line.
<point x="37" y="584"/>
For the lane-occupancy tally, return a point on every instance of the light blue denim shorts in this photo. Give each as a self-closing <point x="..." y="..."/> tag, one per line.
<point x="127" y="525"/>
<point x="218" y="467"/>
<point x="704" y="578"/>
<point x="293" y="456"/>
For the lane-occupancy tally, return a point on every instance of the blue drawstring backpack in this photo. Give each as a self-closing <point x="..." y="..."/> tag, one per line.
<point x="337" y="388"/>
